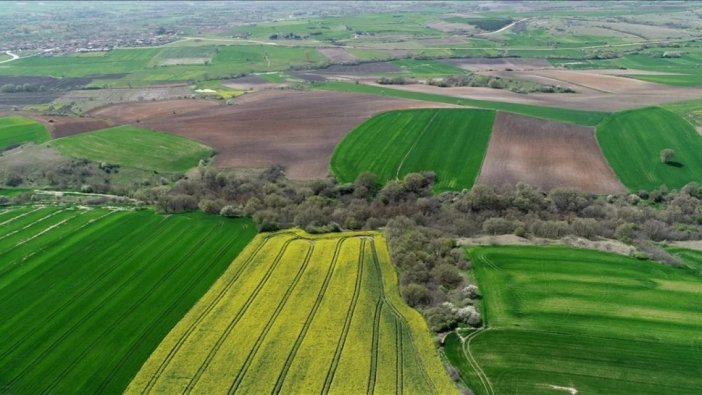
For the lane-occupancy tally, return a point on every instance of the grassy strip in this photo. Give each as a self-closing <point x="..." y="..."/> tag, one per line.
<point x="135" y="147"/>
<point x="580" y="117"/>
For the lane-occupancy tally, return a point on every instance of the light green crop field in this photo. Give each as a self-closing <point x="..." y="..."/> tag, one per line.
<point x="135" y="147"/>
<point x="300" y="314"/>
<point x="632" y="141"/>
<point x="87" y="294"/>
<point x="565" y="319"/>
<point x="588" y="118"/>
<point x="16" y="130"/>
<point x="450" y="142"/>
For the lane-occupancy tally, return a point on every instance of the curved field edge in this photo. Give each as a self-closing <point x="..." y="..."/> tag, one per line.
<point x="318" y="337"/>
<point x="450" y="142"/>
<point x="632" y="142"/>
<point x="16" y="130"/>
<point x="566" y="318"/>
<point x="82" y="313"/>
<point x="580" y="117"/>
<point x="135" y="147"/>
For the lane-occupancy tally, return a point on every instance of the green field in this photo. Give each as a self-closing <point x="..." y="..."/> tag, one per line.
<point x="588" y="118"/>
<point x="450" y="142"/>
<point x="87" y="294"/>
<point x="135" y="147"/>
<point x="303" y="314"/>
<point x="16" y="130"/>
<point x="632" y="141"/>
<point x="560" y="318"/>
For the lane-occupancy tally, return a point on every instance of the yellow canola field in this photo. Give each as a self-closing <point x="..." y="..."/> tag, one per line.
<point x="300" y="313"/>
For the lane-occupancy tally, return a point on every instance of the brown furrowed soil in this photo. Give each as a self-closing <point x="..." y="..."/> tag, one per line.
<point x="546" y="154"/>
<point x="297" y="129"/>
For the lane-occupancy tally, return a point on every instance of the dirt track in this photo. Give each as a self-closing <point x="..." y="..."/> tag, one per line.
<point x="546" y="154"/>
<point x="298" y="129"/>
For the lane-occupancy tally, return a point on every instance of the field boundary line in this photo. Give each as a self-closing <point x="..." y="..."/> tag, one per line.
<point x="183" y="258"/>
<point x="281" y="305"/>
<point x="310" y="317"/>
<point x="173" y="305"/>
<point x="347" y="322"/>
<point x="416" y="141"/>
<point x="230" y="327"/>
<point x="77" y="323"/>
<point x="174" y="350"/>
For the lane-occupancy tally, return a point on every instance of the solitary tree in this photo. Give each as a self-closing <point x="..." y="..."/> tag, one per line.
<point x="666" y="155"/>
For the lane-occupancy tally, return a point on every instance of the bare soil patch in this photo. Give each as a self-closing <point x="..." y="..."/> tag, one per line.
<point x="620" y="96"/>
<point x="297" y="129"/>
<point x="546" y="154"/>
<point x="337" y="55"/>
<point x="249" y="83"/>
<point x="136" y="112"/>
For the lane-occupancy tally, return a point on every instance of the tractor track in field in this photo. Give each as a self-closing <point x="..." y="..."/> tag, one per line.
<point x="19" y="216"/>
<point x="195" y="280"/>
<point x="76" y="296"/>
<point x="60" y="239"/>
<point x="403" y="321"/>
<point x="135" y="306"/>
<point x="310" y="317"/>
<point x="42" y="219"/>
<point x="399" y="376"/>
<point x="230" y="327"/>
<point x="174" y="350"/>
<point x="281" y="305"/>
<point x="484" y="379"/>
<point x="83" y="318"/>
<point x="347" y="322"/>
<point x="372" y="375"/>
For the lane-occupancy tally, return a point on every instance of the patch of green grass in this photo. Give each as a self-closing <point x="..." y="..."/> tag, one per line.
<point x="135" y="147"/>
<point x="87" y="295"/>
<point x="592" y="321"/>
<point x="588" y="118"/>
<point x="424" y="68"/>
<point x="632" y="141"/>
<point x="450" y="142"/>
<point x="16" y="130"/>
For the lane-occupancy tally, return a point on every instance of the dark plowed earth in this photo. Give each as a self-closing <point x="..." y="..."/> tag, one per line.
<point x="297" y="129"/>
<point x="546" y="154"/>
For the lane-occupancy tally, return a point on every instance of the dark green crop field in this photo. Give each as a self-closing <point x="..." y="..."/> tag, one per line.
<point x="87" y="295"/>
<point x="16" y="130"/>
<point x="632" y="142"/>
<point x="450" y="142"/>
<point x="135" y="147"/>
<point x="564" y="319"/>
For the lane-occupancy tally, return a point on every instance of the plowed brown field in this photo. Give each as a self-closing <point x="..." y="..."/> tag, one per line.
<point x="297" y="129"/>
<point x="546" y="154"/>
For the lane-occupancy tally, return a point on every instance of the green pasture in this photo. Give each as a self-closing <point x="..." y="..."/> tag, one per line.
<point x="580" y="117"/>
<point x="450" y="142"/>
<point x="16" y="130"/>
<point x="87" y="295"/>
<point x="632" y="141"/>
<point x="560" y="318"/>
<point x="135" y="147"/>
